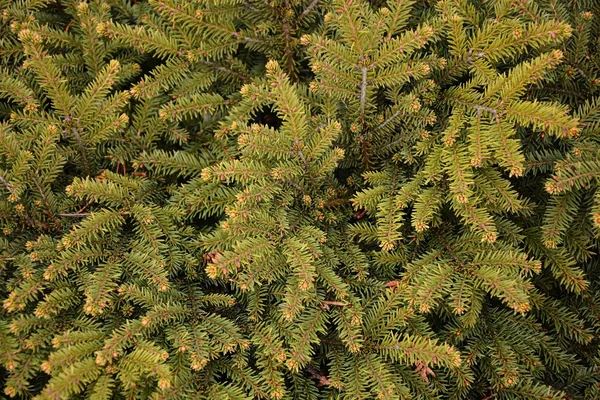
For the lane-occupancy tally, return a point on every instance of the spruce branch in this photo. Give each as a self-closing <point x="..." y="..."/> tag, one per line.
<point x="287" y="28"/>
<point x="453" y="212"/>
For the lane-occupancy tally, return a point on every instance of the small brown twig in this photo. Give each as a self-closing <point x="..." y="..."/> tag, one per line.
<point x="69" y="25"/>
<point x="327" y="303"/>
<point x="74" y="215"/>
<point x="491" y="396"/>
<point x="84" y="207"/>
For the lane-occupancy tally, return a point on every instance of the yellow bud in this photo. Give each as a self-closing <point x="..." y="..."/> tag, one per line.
<point x="245" y="90"/>
<point x="81" y="7"/>
<point x="164" y="384"/>
<point x="272" y="66"/>
<point x="596" y="219"/>
<point x="305" y="39"/>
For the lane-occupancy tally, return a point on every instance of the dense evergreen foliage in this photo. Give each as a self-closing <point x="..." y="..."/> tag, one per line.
<point x="300" y="199"/>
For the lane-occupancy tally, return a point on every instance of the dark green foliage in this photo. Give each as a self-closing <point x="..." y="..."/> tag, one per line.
<point x="300" y="199"/>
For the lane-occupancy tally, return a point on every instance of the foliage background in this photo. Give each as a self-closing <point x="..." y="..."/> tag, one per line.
<point x="300" y="199"/>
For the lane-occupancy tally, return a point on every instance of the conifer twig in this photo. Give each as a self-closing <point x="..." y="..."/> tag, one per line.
<point x="73" y="215"/>
<point x="81" y="149"/>
<point x="297" y="186"/>
<point x="84" y="207"/>
<point x="218" y="67"/>
<point x="250" y="6"/>
<point x="308" y="10"/>
<point x="491" y="396"/>
<point x="387" y="121"/>
<point x="5" y="183"/>
<point x="363" y="92"/>
<point x="327" y="304"/>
